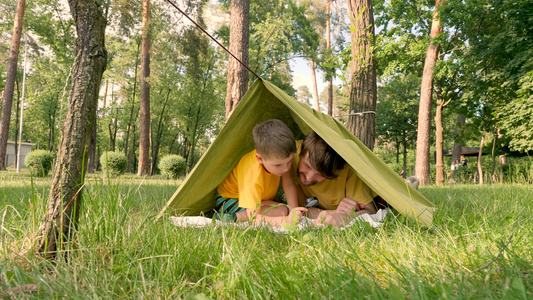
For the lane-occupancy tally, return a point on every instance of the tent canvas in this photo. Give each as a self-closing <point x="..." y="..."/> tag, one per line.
<point x="265" y="101"/>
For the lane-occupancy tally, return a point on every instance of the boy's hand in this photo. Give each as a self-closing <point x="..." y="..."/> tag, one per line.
<point x="295" y="215"/>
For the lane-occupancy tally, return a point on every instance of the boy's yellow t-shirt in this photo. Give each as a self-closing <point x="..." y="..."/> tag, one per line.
<point x="249" y="182"/>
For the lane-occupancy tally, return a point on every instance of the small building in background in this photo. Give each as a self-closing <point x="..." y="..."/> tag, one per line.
<point x="25" y="148"/>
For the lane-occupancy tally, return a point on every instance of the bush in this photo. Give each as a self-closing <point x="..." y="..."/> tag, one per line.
<point x="172" y="166"/>
<point x="113" y="162"/>
<point x="39" y="162"/>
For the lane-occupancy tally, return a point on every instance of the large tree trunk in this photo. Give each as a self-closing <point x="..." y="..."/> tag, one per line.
<point x="64" y="203"/>
<point x="457" y="146"/>
<point x="363" y="95"/>
<point x="424" y="111"/>
<point x="7" y="100"/>
<point x="328" y="48"/>
<point x="238" y="45"/>
<point x="144" y="128"/>
<point x="315" y="87"/>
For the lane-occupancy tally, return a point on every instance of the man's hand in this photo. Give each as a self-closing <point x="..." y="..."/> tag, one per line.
<point x="330" y="217"/>
<point x="347" y="206"/>
<point x="295" y="215"/>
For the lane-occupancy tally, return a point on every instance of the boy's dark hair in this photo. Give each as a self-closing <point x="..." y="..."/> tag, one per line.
<point x="273" y="139"/>
<point x="321" y="156"/>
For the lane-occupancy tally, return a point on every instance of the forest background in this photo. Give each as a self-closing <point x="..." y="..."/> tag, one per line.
<point x="483" y="78"/>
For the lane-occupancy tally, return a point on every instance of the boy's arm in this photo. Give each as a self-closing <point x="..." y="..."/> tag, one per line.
<point x="290" y="189"/>
<point x="257" y="218"/>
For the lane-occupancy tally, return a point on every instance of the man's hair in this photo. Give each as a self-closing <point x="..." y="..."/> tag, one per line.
<point x="273" y="139"/>
<point x="321" y="156"/>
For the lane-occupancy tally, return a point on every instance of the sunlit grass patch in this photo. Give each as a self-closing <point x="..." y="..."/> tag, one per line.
<point x="479" y="246"/>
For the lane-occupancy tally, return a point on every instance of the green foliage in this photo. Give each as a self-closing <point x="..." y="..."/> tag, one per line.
<point x="172" y="166"/>
<point x="517" y="117"/>
<point x="521" y="172"/>
<point x="39" y="162"/>
<point x="113" y="163"/>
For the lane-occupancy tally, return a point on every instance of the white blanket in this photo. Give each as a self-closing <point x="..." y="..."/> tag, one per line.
<point x="373" y="220"/>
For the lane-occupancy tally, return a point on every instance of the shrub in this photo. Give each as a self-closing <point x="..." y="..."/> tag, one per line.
<point x="172" y="166"/>
<point x="113" y="162"/>
<point x="39" y="162"/>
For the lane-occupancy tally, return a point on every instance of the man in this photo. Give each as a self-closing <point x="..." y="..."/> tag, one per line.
<point x="323" y="174"/>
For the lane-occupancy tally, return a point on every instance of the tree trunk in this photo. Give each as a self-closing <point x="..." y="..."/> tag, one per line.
<point x="457" y="146"/>
<point x="64" y="203"/>
<point x="15" y="161"/>
<point x="480" y="154"/>
<point x="502" y="161"/>
<point x="92" y="165"/>
<point x="157" y="142"/>
<point x="193" y="144"/>
<point x="405" y="155"/>
<point x="439" y="163"/>
<point x="132" y="102"/>
<point x="144" y="128"/>
<point x="315" y="87"/>
<point x="113" y="132"/>
<point x="7" y="100"/>
<point x="328" y="48"/>
<point x="131" y="153"/>
<point x="92" y="155"/>
<point x="424" y="111"/>
<point x="496" y="135"/>
<point x="363" y="95"/>
<point x="238" y="45"/>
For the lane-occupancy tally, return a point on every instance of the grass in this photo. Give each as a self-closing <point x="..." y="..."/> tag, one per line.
<point x="479" y="247"/>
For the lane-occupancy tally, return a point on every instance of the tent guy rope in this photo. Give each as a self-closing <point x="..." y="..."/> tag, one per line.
<point x="211" y="37"/>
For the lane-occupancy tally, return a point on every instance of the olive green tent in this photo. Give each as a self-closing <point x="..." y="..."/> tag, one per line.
<point x="265" y="101"/>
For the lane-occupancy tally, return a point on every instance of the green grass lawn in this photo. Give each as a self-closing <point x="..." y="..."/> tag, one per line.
<point x="480" y="246"/>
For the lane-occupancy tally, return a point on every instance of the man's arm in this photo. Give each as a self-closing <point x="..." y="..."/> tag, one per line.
<point x="347" y="210"/>
<point x="257" y="217"/>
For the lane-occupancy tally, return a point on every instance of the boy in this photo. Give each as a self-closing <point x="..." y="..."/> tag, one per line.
<point x="247" y="192"/>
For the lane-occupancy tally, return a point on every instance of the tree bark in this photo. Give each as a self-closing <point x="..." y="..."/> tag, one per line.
<point x="457" y="146"/>
<point x="157" y="141"/>
<point x="132" y="102"/>
<point x="479" y="155"/>
<point x="15" y="161"/>
<point x="404" y="168"/>
<point x="328" y="48"/>
<point x="9" y="88"/>
<point x="238" y="45"/>
<point x="439" y="140"/>
<point x="424" y="111"/>
<point x="315" y="87"/>
<point x="92" y="154"/>
<point x="144" y="128"/>
<point x="91" y="166"/>
<point x="64" y="203"/>
<point x="363" y="95"/>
